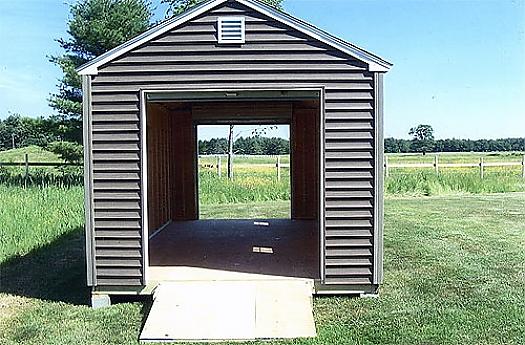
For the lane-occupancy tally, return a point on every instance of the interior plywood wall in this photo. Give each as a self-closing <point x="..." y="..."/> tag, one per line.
<point x="171" y="180"/>
<point x="172" y="156"/>
<point x="305" y="160"/>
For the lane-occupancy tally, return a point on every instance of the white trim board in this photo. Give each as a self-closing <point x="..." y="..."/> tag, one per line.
<point x="318" y="90"/>
<point x="375" y="63"/>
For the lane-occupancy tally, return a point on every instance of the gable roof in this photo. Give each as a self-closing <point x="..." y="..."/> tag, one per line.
<point x="375" y="63"/>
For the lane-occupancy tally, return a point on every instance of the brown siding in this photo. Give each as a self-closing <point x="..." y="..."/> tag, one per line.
<point x="273" y="56"/>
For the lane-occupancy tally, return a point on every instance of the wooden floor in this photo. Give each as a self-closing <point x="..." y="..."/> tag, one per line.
<point x="227" y="246"/>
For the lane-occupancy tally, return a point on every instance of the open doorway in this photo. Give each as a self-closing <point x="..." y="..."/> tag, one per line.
<point x="241" y="165"/>
<point x="186" y="242"/>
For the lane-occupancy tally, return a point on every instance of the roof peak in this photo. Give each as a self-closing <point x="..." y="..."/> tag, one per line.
<point x="374" y="62"/>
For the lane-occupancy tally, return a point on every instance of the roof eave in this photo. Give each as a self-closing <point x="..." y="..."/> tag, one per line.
<point x="91" y="67"/>
<point x="375" y="63"/>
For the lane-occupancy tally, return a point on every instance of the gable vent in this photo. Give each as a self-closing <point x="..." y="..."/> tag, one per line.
<point x="230" y="29"/>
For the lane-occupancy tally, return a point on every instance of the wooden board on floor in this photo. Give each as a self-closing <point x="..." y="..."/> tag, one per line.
<point x="230" y="310"/>
<point x="284" y="309"/>
<point x="199" y="311"/>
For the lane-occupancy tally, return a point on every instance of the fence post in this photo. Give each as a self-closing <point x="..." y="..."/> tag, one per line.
<point x="26" y="176"/>
<point x="219" y="165"/>
<point x="436" y="164"/>
<point x="481" y="167"/>
<point x="278" y="166"/>
<point x="386" y="166"/>
<point x="523" y="166"/>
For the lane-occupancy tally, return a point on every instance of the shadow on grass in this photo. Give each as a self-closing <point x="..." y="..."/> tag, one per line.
<point x="54" y="272"/>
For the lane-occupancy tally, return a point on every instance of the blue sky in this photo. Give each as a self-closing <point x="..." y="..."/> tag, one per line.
<point x="458" y="65"/>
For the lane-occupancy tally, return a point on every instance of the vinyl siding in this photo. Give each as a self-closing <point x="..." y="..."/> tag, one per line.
<point x="273" y="56"/>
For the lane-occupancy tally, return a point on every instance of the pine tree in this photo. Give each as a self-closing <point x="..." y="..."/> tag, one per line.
<point x="176" y="7"/>
<point x="95" y="27"/>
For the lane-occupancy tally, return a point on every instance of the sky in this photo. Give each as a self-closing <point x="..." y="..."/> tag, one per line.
<point x="458" y="65"/>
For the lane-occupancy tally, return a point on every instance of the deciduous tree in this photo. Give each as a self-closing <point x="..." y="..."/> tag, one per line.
<point x="422" y="138"/>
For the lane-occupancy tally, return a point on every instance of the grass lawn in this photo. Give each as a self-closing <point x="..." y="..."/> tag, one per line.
<point x="254" y="210"/>
<point x="455" y="157"/>
<point x="35" y="154"/>
<point x="454" y="274"/>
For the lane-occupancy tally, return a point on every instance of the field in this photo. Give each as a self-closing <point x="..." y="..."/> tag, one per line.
<point x="454" y="254"/>
<point x="255" y="177"/>
<point x="39" y="176"/>
<point x="35" y="153"/>
<point x="454" y="180"/>
<point x="254" y="180"/>
<point x="453" y="274"/>
<point x="453" y="157"/>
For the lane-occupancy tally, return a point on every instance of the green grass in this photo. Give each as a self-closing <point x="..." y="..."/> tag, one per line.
<point x="255" y="177"/>
<point x="454" y="157"/>
<point x="35" y="217"/>
<point x="454" y="274"/>
<point x="245" y="159"/>
<point x="247" y="186"/>
<point x="274" y="209"/>
<point x="35" y="154"/>
<point x="424" y="182"/>
<point x="256" y="182"/>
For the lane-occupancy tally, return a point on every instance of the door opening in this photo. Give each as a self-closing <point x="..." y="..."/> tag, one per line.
<point x="190" y="236"/>
<point x="244" y="171"/>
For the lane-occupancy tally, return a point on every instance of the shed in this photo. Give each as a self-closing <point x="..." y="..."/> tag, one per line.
<point x="237" y="62"/>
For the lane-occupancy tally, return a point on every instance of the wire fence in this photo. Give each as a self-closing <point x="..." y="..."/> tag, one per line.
<point x="217" y="163"/>
<point x="29" y="173"/>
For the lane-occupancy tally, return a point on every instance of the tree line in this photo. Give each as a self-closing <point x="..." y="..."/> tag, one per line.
<point x="255" y="145"/>
<point x="393" y="145"/>
<point x="20" y="131"/>
<point x="423" y="141"/>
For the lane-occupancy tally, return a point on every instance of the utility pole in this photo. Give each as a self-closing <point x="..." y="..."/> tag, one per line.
<point x="13" y="139"/>
<point x="230" y="153"/>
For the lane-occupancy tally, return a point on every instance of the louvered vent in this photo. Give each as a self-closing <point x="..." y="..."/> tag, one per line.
<point x="230" y="29"/>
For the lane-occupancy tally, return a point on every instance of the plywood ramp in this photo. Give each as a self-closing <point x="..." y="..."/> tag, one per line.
<point x="230" y="310"/>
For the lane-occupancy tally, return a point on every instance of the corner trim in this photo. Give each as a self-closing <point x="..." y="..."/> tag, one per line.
<point x="322" y="191"/>
<point x="378" y="178"/>
<point x="144" y="187"/>
<point x="89" y="206"/>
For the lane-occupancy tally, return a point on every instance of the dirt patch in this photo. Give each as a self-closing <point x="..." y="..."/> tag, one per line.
<point x="10" y="306"/>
